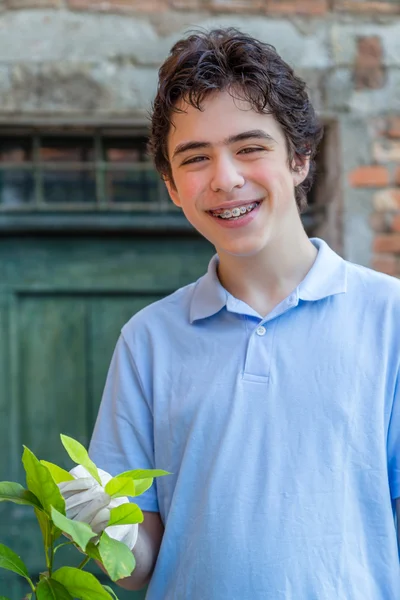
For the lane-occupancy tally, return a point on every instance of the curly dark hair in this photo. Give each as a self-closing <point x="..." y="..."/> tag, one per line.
<point x="229" y="60"/>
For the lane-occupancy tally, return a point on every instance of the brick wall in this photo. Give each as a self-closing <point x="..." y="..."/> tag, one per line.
<point x="383" y="177"/>
<point x="265" y="7"/>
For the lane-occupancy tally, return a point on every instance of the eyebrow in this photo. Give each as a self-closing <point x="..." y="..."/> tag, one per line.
<point x="257" y="134"/>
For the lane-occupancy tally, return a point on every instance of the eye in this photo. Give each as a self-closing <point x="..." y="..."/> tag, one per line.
<point x="195" y="159"/>
<point x="251" y="150"/>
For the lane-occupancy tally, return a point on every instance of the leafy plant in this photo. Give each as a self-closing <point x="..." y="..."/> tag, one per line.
<point x="44" y="496"/>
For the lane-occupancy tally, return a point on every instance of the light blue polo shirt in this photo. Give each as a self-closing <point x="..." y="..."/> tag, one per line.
<point x="282" y="434"/>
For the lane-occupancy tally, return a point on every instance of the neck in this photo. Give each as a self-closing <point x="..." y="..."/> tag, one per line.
<point x="264" y="280"/>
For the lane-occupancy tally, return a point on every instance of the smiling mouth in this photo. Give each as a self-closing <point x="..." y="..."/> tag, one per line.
<point x="234" y="213"/>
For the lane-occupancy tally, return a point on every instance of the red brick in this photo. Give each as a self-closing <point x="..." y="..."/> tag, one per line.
<point x="385" y="263"/>
<point x="369" y="176"/>
<point x="18" y="4"/>
<point x="369" y="71"/>
<point x="13" y="155"/>
<point x="395" y="225"/>
<point x="297" y="7"/>
<point x="387" y="200"/>
<point x="235" y="6"/>
<point x="187" y="4"/>
<point x="387" y="151"/>
<point x="123" y="155"/>
<point x="378" y="222"/>
<point x="389" y="242"/>
<point x="112" y="6"/>
<point x="366" y="6"/>
<point x="61" y="154"/>
<point x="393" y="130"/>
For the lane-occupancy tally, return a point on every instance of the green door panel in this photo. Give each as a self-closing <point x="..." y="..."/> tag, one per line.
<point x="63" y="302"/>
<point x="105" y="313"/>
<point x="52" y="391"/>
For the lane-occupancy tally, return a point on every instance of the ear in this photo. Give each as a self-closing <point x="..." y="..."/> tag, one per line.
<point x="300" y="168"/>
<point x="173" y="192"/>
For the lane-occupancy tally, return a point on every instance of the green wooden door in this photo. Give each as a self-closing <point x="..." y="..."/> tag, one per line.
<point x="63" y="301"/>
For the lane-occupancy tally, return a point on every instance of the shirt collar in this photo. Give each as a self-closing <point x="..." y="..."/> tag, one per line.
<point x="209" y="296"/>
<point x="327" y="276"/>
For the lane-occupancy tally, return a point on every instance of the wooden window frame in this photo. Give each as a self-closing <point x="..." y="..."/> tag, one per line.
<point x="322" y="217"/>
<point x="99" y="166"/>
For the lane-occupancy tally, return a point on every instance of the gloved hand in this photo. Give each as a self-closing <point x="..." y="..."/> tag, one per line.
<point x="87" y="501"/>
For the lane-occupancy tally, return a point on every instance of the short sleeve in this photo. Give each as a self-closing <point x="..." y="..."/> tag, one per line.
<point x="123" y="436"/>
<point x="394" y="444"/>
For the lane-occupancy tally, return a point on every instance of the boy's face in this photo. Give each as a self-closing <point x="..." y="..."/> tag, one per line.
<point x="228" y="156"/>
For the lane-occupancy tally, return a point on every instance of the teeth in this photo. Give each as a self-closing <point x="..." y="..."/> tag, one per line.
<point x="235" y="212"/>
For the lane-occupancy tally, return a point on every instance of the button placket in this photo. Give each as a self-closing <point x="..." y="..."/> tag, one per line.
<point x="259" y="352"/>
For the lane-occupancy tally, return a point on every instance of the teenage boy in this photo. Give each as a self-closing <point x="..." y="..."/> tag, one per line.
<point x="270" y="387"/>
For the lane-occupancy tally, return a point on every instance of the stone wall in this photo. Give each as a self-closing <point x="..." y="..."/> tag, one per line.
<point x="77" y="61"/>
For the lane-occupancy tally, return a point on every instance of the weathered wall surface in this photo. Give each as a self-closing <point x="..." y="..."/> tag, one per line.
<point x="87" y="60"/>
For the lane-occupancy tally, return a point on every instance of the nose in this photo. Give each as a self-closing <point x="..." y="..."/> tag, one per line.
<point x="225" y="176"/>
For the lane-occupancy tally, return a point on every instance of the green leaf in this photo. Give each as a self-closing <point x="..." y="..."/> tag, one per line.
<point x="59" y="475"/>
<point x="117" y="559"/>
<point x="45" y="526"/>
<point x="92" y="550"/>
<point x="4" y="598"/>
<point x="49" y="531"/>
<point x="79" y="455"/>
<point x="41" y="483"/>
<point x="142" y="485"/>
<point x="81" y="584"/>
<point x="144" y="473"/>
<point x="125" y="514"/>
<point x="14" y="492"/>
<point x="120" y="486"/>
<point x="81" y="533"/>
<point x="109" y="590"/>
<point x="56" y="533"/>
<point x="50" y="589"/>
<point x="143" y="479"/>
<point x="12" y="562"/>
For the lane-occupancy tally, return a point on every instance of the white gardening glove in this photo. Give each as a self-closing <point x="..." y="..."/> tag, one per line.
<point x="87" y="501"/>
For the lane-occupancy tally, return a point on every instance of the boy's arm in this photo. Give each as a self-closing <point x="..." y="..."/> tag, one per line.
<point x="145" y="551"/>
<point x="123" y="439"/>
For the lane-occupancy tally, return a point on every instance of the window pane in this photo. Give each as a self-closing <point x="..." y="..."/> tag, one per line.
<point x="132" y="186"/>
<point x="69" y="187"/>
<point x="16" y="187"/>
<point x="15" y="149"/>
<point x="66" y="150"/>
<point x="80" y="168"/>
<point x="126" y="150"/>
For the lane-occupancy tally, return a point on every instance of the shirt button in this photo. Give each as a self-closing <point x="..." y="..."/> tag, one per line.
<point x="261" y="330"/>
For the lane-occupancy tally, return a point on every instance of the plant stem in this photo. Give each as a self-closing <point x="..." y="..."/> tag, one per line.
<point x="61" y="545"/>
<point x="46" y="552"/>
<point x="51" y="554"/>
<point x="84" y="562"/>
<point x="33" y="588"/>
